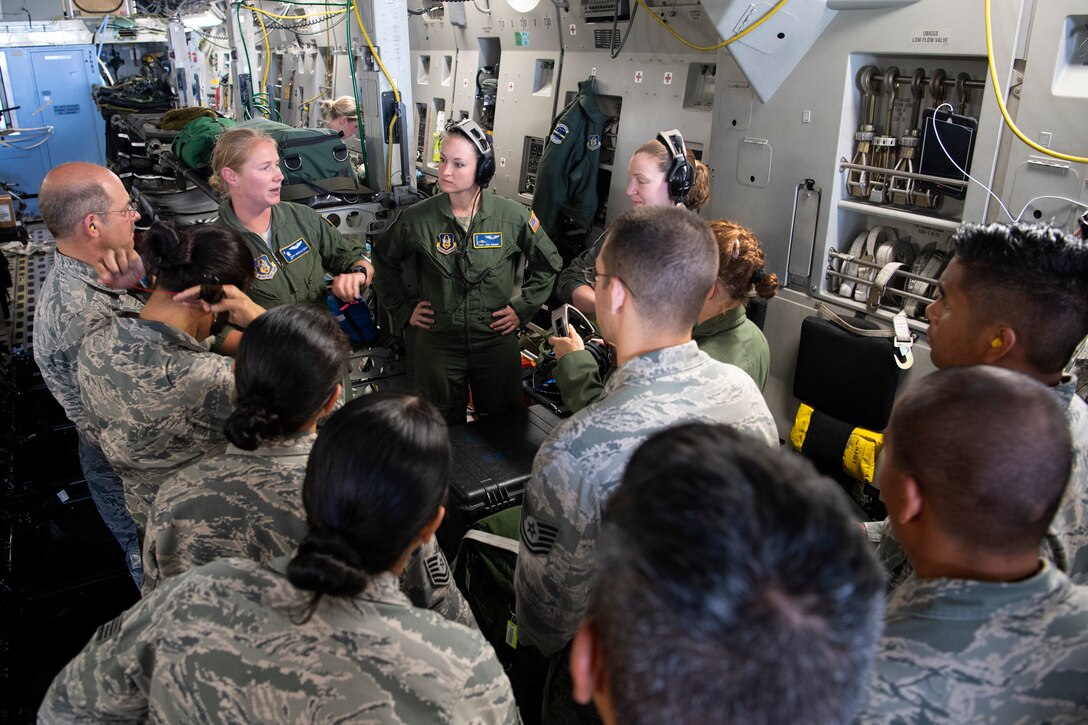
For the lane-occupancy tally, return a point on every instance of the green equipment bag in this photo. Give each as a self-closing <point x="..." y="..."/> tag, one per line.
<point x="307" y="155"/>
<point x="484" y="571"/>
<point x="195" y="142"/>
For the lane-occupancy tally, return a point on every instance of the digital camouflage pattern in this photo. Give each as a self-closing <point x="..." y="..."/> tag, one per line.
<point x="1066" y="543"/>
<point x="582" y="462"/>
<point x="248" y="504"/>
<point x="220" y="644"/>
<point x="67" y="300"/>
<point x="155" y="400"/>
<point x="962" y="651"/>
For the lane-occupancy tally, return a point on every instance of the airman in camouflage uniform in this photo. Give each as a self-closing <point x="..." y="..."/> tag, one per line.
<point x="249" y="504"/>
<point x="583" y="460"/>
<point x="963" y="651"/>
<point x="222" y="643"/>
<point x="155" y="400"/>
<point x="83" y="205"/>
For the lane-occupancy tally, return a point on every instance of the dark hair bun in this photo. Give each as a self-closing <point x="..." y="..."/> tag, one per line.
<point x="251" y="422"/>
<point x="162" y="248"/>
<point x="329" y="564"/>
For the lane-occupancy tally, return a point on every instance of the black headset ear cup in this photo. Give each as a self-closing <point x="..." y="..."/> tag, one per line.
<point x="681" y="174"/>
<point x="485" y="169"/>
<point x="485" y="165"/>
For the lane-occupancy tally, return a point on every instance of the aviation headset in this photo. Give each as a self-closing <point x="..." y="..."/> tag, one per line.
<point x="681" y="174"/>
<point x="485" y="165"/>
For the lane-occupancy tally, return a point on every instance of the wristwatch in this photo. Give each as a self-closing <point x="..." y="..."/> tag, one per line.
<point x="360" y="268"/>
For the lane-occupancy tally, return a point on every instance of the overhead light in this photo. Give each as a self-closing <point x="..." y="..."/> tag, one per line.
<point x="206" y="19"/>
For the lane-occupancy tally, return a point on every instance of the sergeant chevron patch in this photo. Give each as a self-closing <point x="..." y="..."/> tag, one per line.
<point x="538" y="536"/>
<point x="437" y="570"/>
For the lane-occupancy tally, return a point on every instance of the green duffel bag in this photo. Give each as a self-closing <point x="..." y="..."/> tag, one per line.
<point x="484" y="571"/>
<point x="195" y="142"/>
<point x="307" y="155"/>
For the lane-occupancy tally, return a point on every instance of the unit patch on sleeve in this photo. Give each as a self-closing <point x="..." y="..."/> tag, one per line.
<point x="487" y="240"/>
<point x="594" y="142"/>
<point x="445" y="243"/>
<point x="264" y="267"/>
<point x="534" y="223"/>
<point x="560" y="133"/>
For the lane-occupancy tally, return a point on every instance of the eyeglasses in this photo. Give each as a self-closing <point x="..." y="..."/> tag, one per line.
<point x="132" y="208"/>
<point x="590" y="275"/>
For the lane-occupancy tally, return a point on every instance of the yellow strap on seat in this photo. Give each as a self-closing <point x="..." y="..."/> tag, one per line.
<point x="800" y="426"/>
<point x="859" y="458"/>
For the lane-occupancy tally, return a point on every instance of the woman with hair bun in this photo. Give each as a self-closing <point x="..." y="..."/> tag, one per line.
<point x="341" y="114"/>
<point x="246" y="501"/>
<point x="155" y="399"/>
<point x="724" y="331"/>
<point x="324" y="636"/>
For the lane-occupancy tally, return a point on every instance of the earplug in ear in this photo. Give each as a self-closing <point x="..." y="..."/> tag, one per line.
<point x="91" y="226"/>
<point x="996" y="343"/>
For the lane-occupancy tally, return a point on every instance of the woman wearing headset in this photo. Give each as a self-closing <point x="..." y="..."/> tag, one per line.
<point x="662" y="172"/>
<point x="467" y="247"/>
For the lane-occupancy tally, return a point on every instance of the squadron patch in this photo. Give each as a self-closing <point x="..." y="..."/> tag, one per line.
<point x="538" y="536"/>
<point x="534" y="223"/>
<point x="445" y="244"/>
<point x="594" y="142"/>
<point x="264" y="267"/>
<point x="560" y="133"/>
<point x="487" y="240"/>
<point x="298" y="248"/>
<point x="438" y="571"/>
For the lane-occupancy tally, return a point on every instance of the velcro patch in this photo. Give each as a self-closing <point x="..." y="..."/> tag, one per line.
<point x="560" y="133"/>
<point x="534" y="223"/>
<point x="438" y="571"/>
<point x="538" y="536"/>
<point x="446" y="243"/>
<point x="264" y="267"/>
<point x="298" y="248"/>
<point x="593" y="142"/>
<point x="487" y="240"/>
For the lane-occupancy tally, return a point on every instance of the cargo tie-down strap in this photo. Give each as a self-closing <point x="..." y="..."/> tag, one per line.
<point x="879" y="245"/>
<point x="901" y="337"/>
<point x="860" y="447"/>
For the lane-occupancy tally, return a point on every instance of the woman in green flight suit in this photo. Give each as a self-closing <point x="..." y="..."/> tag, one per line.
<point x="467" y="247"/>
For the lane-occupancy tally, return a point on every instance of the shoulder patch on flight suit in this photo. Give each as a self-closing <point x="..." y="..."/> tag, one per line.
<point x="445" y="244"/>
<point x="534" y="223"/>
<point x="560" y="133"/>
<point x="538" y="536"/>
<point x="264" y="267"/>
<point x="487" y="240"/>
<point x="437" y="570"/>
<point x="298" y="248"/>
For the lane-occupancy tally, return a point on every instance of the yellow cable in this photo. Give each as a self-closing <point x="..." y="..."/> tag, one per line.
<point x="311" y="100"/>
<point x="1001" y="101"/>
<point x="374" y="51"/>
<point x="267" y="51"/>
<point x="389" y="156"/>
<point x="722" y="44"/>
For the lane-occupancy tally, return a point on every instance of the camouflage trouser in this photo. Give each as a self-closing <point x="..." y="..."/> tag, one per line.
<point x="108" y="494"/>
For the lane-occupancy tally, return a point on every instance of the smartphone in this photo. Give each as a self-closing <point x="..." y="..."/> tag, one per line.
<point x="560" y="321"/>
<point x="957" y="134"/>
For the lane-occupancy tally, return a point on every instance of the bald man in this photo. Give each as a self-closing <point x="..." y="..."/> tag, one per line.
<point x="90" y="215"/>
<point x="974" y="467"/>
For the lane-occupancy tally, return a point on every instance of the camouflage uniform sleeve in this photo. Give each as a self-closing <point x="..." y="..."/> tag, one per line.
<point x="428" y="583"/>
<point x="486" y="695"/>
<point x="209" y="385"/>
<point x="106" y="682"/>
<point x="559" y="525"/>
<point x="579" y="379"/>
<point x="572" y="276"/>
<point x="892" y="558"/>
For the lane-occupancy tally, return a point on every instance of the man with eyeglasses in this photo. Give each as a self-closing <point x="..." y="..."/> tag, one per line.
<point x="90" y="215"/>
<point x="656" y="268"/>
